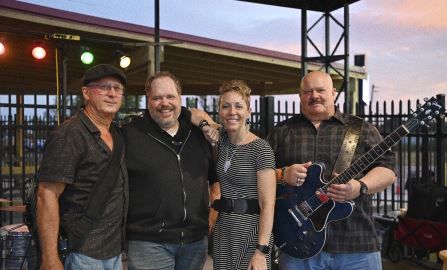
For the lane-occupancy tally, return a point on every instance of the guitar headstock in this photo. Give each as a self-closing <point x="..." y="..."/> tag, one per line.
<point x="425" y="113"/>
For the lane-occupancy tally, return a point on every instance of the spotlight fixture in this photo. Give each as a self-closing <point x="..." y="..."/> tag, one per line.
<point x="38" y="52"/>
<point x="124" y="60"/>
<point x="2" y="47"/>
<point x="86" y="56"/>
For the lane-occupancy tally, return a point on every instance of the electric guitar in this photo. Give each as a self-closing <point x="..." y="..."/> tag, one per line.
<point x="303" y="213"/>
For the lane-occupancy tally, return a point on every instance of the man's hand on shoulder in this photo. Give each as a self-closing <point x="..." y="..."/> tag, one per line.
<point x="211" y="134"/>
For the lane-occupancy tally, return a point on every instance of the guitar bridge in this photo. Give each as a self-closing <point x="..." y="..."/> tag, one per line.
<point x="295" y="217"/>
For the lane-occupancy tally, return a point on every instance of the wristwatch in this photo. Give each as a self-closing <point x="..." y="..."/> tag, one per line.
<point x="363" y="188"/>
<point x="263" y="248"/>
<point x="203" y="123"/>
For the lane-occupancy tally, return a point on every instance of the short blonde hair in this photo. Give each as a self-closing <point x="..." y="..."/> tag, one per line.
<point x="237" y="86"/>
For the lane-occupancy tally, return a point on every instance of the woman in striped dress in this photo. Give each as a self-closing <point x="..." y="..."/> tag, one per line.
<point x="245" y="168"/>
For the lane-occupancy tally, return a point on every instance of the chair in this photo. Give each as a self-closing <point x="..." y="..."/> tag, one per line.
<point x="443" y="256"/>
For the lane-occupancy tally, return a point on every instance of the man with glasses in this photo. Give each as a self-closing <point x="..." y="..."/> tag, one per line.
<point x="76" y="156"/>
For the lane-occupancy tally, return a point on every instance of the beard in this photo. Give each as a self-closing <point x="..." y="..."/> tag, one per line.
<point x="165" y="123"/>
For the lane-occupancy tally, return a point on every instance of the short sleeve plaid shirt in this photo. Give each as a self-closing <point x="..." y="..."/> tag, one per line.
<point x="76" y="155"/>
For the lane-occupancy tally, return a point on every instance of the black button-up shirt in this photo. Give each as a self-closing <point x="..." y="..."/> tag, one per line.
<point x="296" y="140"/>
<point x="76" y="155"/>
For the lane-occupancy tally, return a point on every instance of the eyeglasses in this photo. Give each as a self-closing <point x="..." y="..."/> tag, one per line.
<point x="104" y="88"/>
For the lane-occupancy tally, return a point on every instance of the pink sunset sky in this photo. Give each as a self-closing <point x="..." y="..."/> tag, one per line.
<point x="405" y="41"/>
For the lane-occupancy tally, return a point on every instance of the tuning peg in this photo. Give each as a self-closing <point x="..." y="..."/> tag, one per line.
<point x="429" y="117"/>
<point x="442" y="116"/>
<point x="425" y="99"/>
<point x="423" y="123"/>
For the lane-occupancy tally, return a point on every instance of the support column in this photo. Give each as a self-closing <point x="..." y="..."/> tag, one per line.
<point x="327" y="56"/>
<point x="157" y="35"/>
<point x="441" y="145"/>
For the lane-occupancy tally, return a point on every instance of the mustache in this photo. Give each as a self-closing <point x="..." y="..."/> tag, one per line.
<point x="315" y="101"/>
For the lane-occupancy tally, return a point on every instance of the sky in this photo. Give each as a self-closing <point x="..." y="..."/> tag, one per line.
<point x="405" y="41"/>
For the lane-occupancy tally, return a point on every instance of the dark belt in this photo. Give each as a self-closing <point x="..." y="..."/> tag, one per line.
<point x="238" y="206"/>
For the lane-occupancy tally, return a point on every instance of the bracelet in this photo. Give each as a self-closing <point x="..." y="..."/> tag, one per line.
<point x="280" y="173"/>
<point x="203" y="123"/>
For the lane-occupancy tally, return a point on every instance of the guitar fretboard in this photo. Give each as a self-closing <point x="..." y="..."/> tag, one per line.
<point x="369" y="157"/>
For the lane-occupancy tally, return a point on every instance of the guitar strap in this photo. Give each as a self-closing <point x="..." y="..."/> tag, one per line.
<point x="99" y="194"/>
<point x="349" y="144"/>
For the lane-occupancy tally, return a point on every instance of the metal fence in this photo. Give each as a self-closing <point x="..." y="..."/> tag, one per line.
<point x="26" y="122"/>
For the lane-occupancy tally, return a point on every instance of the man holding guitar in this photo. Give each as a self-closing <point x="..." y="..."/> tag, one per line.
<point x="312" y="140"/>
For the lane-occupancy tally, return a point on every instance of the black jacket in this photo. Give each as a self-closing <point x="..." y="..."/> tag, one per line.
<point x="168" y="192"/>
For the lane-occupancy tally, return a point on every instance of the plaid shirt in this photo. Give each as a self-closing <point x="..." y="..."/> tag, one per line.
<point x="296" y="140"/>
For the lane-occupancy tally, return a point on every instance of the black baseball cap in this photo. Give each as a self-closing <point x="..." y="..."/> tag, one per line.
<point x="103" y="70"/>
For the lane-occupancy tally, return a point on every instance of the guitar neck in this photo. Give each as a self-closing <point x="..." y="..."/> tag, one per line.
<point x="369" y="157"/>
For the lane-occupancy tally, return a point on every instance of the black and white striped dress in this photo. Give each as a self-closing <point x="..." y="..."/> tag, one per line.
<point x="236" y="235"/>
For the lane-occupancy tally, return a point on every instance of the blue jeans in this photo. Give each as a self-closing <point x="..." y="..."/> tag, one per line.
<point x="80" y="262"/>
<point x="158" y="256"/>
<point x="333" y="261"/>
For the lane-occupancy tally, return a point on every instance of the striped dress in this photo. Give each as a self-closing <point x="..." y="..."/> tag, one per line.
<point x="235" y="235"/>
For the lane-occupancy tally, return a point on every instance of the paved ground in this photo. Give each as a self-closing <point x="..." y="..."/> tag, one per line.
<point x="387" y="265"/>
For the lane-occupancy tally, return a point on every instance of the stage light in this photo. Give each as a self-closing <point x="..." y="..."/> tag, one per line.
<point x="87" y="57"/>
<point x="124" y="60"/>
<point x="39" y="51"/>
<point x="2" y="48"/>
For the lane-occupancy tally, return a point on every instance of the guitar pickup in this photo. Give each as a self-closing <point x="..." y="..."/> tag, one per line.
<point x="304" y="209"/>
<point x="307" y="211"/>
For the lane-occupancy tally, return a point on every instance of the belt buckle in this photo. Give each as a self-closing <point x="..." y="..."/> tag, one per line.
<point x="224" y="205"/>
<point x="239" y="206"/>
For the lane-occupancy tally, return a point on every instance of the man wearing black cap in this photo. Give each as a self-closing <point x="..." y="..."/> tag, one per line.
<point x="84" y="150"/>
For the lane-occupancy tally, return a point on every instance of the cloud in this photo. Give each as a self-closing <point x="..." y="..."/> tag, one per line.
<point x="409" y="13"/>
<point x="441" y="87"/>
<point x="405" y="41"/>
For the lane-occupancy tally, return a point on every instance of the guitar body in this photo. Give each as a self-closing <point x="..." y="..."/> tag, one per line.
<point x="301" y="217"/>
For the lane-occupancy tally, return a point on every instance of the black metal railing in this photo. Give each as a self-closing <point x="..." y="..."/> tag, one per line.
<point x="25" y="125"/>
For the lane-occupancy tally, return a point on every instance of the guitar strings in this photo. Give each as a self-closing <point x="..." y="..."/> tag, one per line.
<point x="359" y="163"/>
